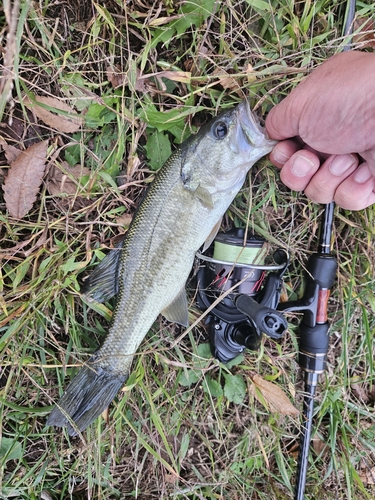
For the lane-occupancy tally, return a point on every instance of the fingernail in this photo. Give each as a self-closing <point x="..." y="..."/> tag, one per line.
<point x="302" y="166"/>
<point x="363" y="174"/>
<point x="341" y="164"/>
<point x="280" y="157"/>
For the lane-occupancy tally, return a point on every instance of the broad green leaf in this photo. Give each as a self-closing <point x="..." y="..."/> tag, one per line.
<point x="10" y="450"/>
<point x="71" y="265"/>
<point x="73" y="153"/>
<point x="204" y="351"/>
<point x="76" y="88"/>
<point x="70" y="158"/>
<point x="173" y="120"/>
<point x="184" y="446"/>
<point x="259" y="5"/>
<point x="194" y="13"/>
<point x="158" y="149"/>
<point x="164" y="120"/>
<point x="21" y="271"/>
<point x="188" y="378"/>
<point x="98" y="115"/>
<point x="234" y="388"/>
<point x="212" y="387"/>
<point x="109" y="179"/>
<point x="235" y="361"/>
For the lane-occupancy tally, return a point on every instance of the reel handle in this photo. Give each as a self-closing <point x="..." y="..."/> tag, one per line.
<point x="263" y="318"/>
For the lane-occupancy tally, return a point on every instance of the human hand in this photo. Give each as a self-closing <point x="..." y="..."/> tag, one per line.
<point x="323" y="125"/>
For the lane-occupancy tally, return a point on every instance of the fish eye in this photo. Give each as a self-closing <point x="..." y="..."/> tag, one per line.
<point x="220" y="130"/>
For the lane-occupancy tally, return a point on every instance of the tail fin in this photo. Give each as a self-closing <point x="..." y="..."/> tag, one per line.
<point x="85" y="398"/>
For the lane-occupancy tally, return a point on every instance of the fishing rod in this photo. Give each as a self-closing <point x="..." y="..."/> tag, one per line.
<point x="314" y="338"/>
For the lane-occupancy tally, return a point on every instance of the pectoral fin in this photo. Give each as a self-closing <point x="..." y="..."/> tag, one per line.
<point x="212" y="235"/>
<point x="102" y="284"/>
<point x="177" y="311"/>
<point x="204" y="196"/>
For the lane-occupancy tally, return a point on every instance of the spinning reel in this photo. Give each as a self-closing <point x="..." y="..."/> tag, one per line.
<point x="240" y="297"/>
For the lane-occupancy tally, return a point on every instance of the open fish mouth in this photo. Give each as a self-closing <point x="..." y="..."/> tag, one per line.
<point x="251" y="131"/>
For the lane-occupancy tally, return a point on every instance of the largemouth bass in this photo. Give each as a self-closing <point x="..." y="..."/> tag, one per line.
<point x="182" y="210"/>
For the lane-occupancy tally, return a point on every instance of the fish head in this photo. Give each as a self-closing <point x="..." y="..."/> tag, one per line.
<point x="218" y="158"/>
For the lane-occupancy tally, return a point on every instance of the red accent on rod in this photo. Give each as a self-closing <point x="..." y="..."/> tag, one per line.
<point x="322" y="308"/>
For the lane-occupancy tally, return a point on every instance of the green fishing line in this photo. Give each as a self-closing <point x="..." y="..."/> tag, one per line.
<point x="235" y="253"/>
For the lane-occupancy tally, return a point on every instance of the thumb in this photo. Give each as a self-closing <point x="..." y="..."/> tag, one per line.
<point x="369" y="156"/>
<point x="282" y="121"/>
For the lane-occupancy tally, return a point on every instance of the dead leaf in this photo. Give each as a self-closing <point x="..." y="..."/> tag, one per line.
<point x="176" y="76"/>
<point x="293" y="451"/>
<point x="11" y="152"/>
<point x="367" y="475"/>
<point x="124" y="220"/>
<point x="171" y="478"/>
<point x="105" y="415"/>
<point x="133" y="164"/>
<point x="268" y="392"/>
<point x="24" y="178"/>
<point x="66" y="180"/>
<point x="44" y="495"/>
<point x="145" y="83"/>
<point x="12" y="315"/>
<point x="366" y="36"/>
<point x="58" y="121"/>
<point x="360" y="392"/>
<point x="226" y="80"/>
<point x="163" y="20"/>
<point x="251" y="76"/>
<point x="195" y="65"/>
<point x="318" y="445"/>
<point x="115" y="77"/>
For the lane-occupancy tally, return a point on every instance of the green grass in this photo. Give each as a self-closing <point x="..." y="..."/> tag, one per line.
<point x="177" y="431"/>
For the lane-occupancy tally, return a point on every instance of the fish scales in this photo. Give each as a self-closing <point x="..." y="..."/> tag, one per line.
<point x="182" y="208"/>
<point x="158" y="257"/>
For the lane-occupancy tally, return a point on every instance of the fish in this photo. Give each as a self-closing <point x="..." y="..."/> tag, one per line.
<point x="181" y="211"/>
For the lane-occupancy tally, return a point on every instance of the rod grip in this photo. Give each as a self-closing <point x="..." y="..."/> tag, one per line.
<point x="313" y="347"/>
<point x="322" y="269"/>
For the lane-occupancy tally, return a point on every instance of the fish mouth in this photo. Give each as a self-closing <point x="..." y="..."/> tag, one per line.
<point x="251" y="131"/>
